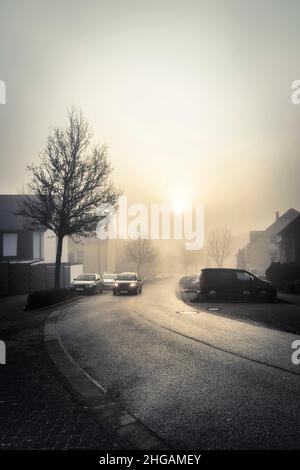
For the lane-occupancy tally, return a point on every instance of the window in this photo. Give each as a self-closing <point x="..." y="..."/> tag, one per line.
<point x="36" y="245"/>
<point x="243" y="276"/>
<point x="10" y="243"/>
<point x="211" y="274"/>
<point x="126" y="277"/>
<point x="227" y="276"/>
<point x="86" y="277"/>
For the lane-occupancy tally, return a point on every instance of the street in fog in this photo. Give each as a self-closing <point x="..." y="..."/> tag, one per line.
<point x="196" y="379"/>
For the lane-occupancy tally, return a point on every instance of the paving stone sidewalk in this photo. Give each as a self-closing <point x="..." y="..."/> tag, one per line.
<point x="37" y="410"/>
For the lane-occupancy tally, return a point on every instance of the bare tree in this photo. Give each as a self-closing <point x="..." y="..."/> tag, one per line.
<point x="69" y="184"/>
<point x="140" y="251"/>
<point x="219" y="246"/>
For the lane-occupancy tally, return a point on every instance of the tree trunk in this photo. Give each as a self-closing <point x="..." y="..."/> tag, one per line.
<point x="58" y="262"/>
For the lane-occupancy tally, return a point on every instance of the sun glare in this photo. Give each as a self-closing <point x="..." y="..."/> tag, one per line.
<point x="178" y="206"/>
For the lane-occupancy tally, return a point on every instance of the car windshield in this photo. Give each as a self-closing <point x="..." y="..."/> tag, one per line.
<point x="86" y="277"/>
<point x="126" y="277"/>
<point x="109" y="276"/>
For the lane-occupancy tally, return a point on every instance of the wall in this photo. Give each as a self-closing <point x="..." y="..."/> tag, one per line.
<point x="4" y="276"/>
<point x="49" y="248"/>
<point x="99" y="255"/>
<point x="290" y="244"/>
<point x="73" y="271"/>
<point x="21" y="278"/>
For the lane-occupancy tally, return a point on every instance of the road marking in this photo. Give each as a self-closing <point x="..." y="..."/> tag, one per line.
<point x="183" y="312"/>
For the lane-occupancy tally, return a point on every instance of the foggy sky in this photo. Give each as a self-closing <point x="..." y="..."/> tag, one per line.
<point x="192" y="97"/>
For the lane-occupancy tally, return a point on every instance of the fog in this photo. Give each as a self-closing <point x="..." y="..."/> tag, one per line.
<point x="193" y="98"/>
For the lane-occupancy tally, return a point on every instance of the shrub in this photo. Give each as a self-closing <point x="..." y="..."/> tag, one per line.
<point x="292" y="287"/>
<point x="42" y="298"/>
<point x="283" y="276"/>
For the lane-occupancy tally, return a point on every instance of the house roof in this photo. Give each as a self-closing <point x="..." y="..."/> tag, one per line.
<point x="8" y="207"/>
<point x="292" y="224"/>
<point x="283" y="221"/>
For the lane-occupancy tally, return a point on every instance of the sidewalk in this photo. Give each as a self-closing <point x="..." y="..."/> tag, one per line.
<point x="37" y="409"/>
<point x="290" y="298"/>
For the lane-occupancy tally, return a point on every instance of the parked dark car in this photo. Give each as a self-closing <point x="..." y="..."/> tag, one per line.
<point x="127" y="283"/>
<point x="234" y="284"/>
<point x="88" y="283"/>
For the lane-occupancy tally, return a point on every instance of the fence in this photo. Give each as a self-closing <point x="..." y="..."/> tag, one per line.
<point x="21" y="278"/>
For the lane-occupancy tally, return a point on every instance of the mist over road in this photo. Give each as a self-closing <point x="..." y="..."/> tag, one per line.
<point x="196" y="379"/>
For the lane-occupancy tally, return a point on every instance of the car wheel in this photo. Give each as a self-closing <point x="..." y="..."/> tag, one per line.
<point x="114" y="293"/>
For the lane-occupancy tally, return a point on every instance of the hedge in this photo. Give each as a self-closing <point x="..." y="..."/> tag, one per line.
<point x="284" y="276"/>
<point x="42" y="298"/>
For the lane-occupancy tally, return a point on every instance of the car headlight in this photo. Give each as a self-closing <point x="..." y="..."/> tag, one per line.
<point x="116" y="284"/>
<point x="132" y="284"/>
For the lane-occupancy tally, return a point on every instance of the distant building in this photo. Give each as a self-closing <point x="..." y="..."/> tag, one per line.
<point x="108" y="256"/>
<point x="263" y="247"/>
<point x="289" y="242"/>
<point x="96" y="255"/>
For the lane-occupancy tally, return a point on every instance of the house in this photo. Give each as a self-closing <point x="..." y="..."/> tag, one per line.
<point x="27" y="257"/>
<point x="263" y="247"/>
<point x="18" y="243"/>
<point x="289" y="242"/>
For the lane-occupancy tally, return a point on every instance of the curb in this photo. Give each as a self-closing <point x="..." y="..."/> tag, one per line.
<point x="129" y="433"/>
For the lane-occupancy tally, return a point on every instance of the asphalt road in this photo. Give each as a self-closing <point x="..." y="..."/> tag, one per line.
<point x="197" y="379"/>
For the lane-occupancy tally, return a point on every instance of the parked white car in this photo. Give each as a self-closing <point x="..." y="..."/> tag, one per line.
<point x="87" y="283"/>
<point x="108" y="280"/>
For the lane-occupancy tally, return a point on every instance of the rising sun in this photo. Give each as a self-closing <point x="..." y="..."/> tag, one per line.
<point x="178" y="206"/>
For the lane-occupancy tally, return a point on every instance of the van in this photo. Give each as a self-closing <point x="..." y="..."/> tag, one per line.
<point x="224" y="283"/>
